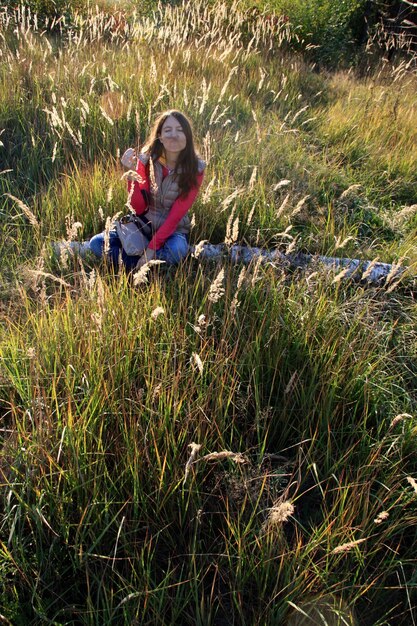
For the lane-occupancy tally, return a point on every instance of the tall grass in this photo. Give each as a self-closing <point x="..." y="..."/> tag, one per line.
<point x="212" y="446"/>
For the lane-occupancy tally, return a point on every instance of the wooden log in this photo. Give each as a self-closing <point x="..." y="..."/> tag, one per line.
<point x="371" y="271"/>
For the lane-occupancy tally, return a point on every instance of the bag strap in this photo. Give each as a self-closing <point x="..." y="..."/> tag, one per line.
<point x="143" y="224"/>
<point x="145" y="221"/>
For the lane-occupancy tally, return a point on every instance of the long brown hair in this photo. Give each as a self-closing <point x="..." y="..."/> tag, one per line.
<point x="186" y="168"/>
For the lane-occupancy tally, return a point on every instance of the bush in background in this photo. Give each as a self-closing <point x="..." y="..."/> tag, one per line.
<point x="51" y="8"/>
<point x="331" y="29"/>
<point x="56" y="8"/>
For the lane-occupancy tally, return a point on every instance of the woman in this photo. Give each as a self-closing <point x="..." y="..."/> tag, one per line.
<point x="168" y="177"/>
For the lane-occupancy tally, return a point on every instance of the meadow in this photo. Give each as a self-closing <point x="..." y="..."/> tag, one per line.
<point x="214" y="444"/>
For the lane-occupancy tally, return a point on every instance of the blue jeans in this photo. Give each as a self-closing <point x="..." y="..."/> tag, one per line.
<point x="172" y="252"/>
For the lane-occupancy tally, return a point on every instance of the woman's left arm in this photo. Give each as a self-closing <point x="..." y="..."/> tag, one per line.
<point x="180" y="207"/>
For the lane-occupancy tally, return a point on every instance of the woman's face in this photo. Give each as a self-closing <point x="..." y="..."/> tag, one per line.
<point x="172" y="135"/>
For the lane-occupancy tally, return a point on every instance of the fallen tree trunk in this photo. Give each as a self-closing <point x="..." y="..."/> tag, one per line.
<point x="370" y="271"/>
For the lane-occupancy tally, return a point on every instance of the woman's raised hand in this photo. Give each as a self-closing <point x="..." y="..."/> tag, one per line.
<point x="129" y="159"/>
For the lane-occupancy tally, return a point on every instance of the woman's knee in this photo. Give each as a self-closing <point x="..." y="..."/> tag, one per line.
<point x="174" y="250"/>
<point x="97" y="244"/>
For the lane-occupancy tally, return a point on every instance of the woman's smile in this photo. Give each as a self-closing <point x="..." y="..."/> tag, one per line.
<point x="172" y="135"/>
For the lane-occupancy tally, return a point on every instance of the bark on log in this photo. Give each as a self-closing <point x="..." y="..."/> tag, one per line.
<point x="371" y="271"/>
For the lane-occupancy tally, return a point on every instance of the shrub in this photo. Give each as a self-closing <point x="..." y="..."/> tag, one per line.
<point x="334" y="27"/>
<point x="51" y="8"/>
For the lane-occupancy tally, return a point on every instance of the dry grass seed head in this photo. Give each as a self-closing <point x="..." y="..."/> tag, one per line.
<point x="232" y="232"/>
<point x="398" y="419"/>
<point x="291" y="383"/>
<point x="196" y="360"/>
<point x="207" y="147"/>
<point x="198" y="249"/>
<point x="159" y="310"/>
<point x="107" y="229"/>
<point x="412" y="482"/>
<point x="341" y="275"/>
<point x="27" y="212"/>
<point x="349" y="191"/>
<point x="381" y="517"/>
<point x="235" y="230"/>
<point x="283" y="206"/>
<point x="299" y="206"/>
<point x="235" y="302"/>
<point x="208" y="191"/>
<point x="237" y="457"/>
<point x="229" y="199"/>
<point x="253" y="177"/>
<point x="369" y="269"/>
<point x="141" y="276"/>
<point x="256" y="267"/>
<point x="72" y="227"/>
<point x="250" y="216"/>
<point x="195" y="448"/>
<point x="347" y="547"/>
<point x="134" y="176"/>
<point x="216" y="290"/>
<point x="402" y="215"/>
<point x="228" y="237"/>
<point x="37" y="273"/>
<point x="395" y="272"/>
<point x="278" y="514"/>
<point x="282" y="183"/>
<point x="154" y="186"/>
<point x="292" y="246"/>
<point x="341" y="243"/>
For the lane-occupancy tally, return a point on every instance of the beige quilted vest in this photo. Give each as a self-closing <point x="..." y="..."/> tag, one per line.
<point x="167" y="191"/>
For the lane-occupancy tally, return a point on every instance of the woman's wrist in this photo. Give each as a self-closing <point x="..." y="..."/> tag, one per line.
<point x="149" y="254"/>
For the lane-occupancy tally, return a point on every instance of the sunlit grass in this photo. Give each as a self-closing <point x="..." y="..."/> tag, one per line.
<point x="296" y="389"/>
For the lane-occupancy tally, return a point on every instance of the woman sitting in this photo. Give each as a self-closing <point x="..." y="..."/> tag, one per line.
<point x="168" y="176"/>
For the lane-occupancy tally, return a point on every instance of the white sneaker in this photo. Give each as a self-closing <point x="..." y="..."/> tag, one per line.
<point x="77" y="248"/>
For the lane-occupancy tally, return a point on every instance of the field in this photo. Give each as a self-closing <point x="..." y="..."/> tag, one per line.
<point x="218" y="444"/>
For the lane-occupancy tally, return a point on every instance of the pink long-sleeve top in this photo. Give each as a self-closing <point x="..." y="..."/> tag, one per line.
<point x="139" y="203"/>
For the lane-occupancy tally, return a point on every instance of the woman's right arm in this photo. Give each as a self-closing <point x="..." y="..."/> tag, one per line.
<point x="139" y="190"/>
